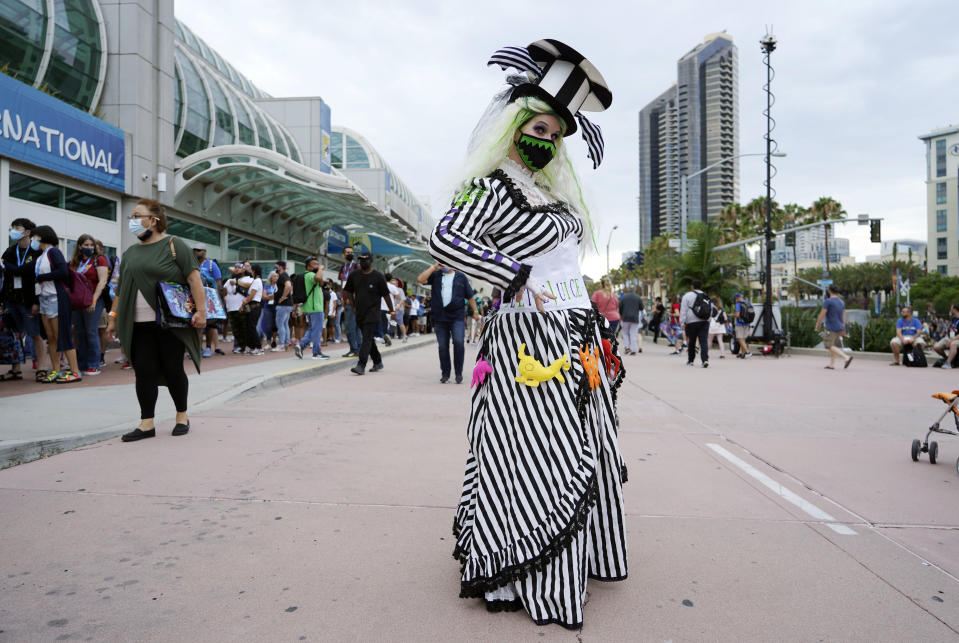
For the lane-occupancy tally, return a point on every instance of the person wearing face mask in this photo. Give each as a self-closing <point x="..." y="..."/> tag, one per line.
<point x="350" y="265"/>
<point x="52" y="277"/>
<point x="367" y="288"/>
<point x="19" y="294"/>
<point x="95" y="269"/>
<point x="531" y="533"/>
<point x="156" y="353"/>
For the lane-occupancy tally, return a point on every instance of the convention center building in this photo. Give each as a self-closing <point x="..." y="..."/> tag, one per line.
<point x="105" y="102"/>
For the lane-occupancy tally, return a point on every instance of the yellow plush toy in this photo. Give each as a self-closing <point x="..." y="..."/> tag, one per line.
<point x="530" y="372"/>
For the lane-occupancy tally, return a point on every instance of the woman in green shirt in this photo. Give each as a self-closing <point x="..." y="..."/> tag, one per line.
<point x="156" y="353"/>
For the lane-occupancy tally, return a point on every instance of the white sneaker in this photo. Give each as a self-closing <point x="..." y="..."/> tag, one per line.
<point x="947" y="365"/>
<point x="278" y="349"/>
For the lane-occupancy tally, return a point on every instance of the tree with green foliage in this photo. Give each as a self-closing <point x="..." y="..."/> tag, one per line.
<point x="826" y="209"/>
<point x="717" y="270"/>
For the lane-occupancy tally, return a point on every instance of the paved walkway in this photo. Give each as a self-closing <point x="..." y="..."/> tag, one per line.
<point x="43" y="419"/>
<point x="768" y="500"/>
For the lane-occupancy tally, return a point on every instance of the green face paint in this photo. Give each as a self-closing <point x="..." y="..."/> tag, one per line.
<point x="535" y="152"/>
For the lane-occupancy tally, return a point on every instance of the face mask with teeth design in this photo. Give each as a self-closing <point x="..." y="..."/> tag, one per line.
<point x="535" y="152"/>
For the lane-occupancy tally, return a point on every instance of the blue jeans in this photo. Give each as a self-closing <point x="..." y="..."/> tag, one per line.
<point x="266" y="325"/>
<point x="314" y="334"/>
<point x="283" y="325"/>
<point x="88" y="337"/>
<point x="444" y="331"/>
<point x="337" y="328"/>
<point x="352" y="333"/>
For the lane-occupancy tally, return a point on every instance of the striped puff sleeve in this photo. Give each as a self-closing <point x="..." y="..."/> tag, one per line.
<point x="457" y="239"/>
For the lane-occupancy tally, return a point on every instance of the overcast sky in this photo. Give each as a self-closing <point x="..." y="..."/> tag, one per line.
<point x="856" y="83"/>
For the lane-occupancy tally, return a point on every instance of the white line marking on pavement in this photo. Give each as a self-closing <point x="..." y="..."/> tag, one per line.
<point x="783" y="492"/>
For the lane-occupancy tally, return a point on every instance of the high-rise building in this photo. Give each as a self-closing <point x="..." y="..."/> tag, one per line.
<point x="942" y="200"/>
<point x="690" y="126"/>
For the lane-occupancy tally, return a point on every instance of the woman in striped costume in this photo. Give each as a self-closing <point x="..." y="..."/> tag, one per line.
<point x="541" y="509"/>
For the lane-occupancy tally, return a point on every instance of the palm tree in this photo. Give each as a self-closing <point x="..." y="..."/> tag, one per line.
<point x="717" y="270"/>
<point x="659" y="262"/>
<point x="826" y="209"/>
<point x="793" y="215"/>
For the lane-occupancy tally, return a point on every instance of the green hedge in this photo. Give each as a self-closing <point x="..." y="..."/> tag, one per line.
<point x="801" y="323"/>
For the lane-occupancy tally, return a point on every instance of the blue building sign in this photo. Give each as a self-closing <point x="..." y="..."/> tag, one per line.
<point x="37" y="128"/>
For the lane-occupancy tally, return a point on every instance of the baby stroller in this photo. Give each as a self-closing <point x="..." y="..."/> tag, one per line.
<point x="932" y="448"/>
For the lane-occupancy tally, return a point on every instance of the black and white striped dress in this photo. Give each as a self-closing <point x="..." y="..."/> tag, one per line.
<point x="542" y="508"/>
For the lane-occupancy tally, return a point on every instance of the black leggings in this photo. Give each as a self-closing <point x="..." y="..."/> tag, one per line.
<point x="155" y="352"/>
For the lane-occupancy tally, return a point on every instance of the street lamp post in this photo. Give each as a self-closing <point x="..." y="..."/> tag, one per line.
<point x="768" y="44"/>
<point x="608" y="240"/>
<point x="684" y="183"/>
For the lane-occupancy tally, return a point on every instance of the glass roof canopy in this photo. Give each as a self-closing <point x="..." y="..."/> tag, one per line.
<point x="272" y="185"/>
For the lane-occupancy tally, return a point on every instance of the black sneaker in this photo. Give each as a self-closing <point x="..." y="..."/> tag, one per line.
<point x="444" y="379"/>
<point x="137" y="434"/>
<point x="359" y="370"/>
<point x="376" y="367"/>
<point x="298" y="350"/>
<point x="459" y="379"/>
<point x="705" y="364"/>
<point x="689" y="364"/>
<point x="181" y="429"/>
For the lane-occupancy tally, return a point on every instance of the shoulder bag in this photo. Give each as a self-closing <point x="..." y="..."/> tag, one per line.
<point x="175" y="305"/>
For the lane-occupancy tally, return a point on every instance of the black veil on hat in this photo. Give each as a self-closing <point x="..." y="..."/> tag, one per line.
<point x="563" y="78"/>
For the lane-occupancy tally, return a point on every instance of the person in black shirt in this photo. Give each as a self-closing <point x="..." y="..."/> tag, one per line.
<point x="657" y="317"/>
<point x="20" y="299"/>
<point x="283" y="306"/>
<point x="367" y="287"/>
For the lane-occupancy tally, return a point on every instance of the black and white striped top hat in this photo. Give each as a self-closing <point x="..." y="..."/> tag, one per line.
<point x="565" y="80"/>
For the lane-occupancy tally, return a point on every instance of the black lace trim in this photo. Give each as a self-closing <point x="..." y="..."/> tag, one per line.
<point x="478" y="587"/>
<point x="606" y="332"/>
<point x="519" y="199"/>
<point x="518" y="282"/>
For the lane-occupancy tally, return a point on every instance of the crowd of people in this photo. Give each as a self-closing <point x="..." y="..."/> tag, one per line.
<point x="54" y="308"/>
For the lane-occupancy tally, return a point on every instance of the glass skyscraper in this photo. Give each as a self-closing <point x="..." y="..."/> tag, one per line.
<point x="691" y="125"/>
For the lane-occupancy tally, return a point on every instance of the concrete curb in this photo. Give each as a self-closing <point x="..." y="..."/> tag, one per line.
<point x="16" y="452"/>
<point x="821" y="352"/>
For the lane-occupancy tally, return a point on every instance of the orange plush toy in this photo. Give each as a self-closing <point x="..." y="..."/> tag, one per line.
<point x="591" y="366"/>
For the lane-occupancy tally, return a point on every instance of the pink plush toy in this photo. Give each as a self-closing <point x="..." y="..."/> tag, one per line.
<point x="480" y="371"/>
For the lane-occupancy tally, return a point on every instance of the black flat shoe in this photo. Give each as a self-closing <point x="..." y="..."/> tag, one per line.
<point x="459" y="379"/>
<point x="376" y="367"/>
<point x="359" y="370"/>
<point x="444" y="379"/>
<point x="181" y="429"/>
<point x="137" y="434"/>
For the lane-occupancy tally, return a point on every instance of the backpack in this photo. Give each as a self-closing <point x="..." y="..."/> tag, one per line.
<point x="81" y="295"/>
<point x="746" y="312"/>
<point x="915" y="357"/>
<point x="702" y="307"/>
<point x="299" y="288"/>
